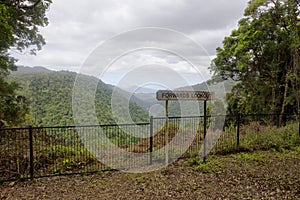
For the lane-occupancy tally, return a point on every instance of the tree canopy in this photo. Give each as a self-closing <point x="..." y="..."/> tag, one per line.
<point x="262" y="55"/>
<point x="19" y="26"/>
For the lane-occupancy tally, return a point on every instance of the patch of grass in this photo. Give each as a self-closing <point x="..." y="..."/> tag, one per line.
<point x="250" y="157"/>
<point x="211" y="165"/>
<point x="273" y="138"/>
<point x="246" y="158"/>
<point x="297" y="150"/>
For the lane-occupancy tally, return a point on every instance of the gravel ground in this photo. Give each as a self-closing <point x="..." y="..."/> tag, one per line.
<point x="272" y="176"/>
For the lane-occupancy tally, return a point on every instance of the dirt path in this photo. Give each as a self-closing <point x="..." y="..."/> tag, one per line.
<point x="240" y="177"/>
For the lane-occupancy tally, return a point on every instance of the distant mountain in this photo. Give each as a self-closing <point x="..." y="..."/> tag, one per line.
<point x="140" y="89"/>
<point x="50" y="96"/>
<point x="30" y="70"/>
<point x="145" y="100"/>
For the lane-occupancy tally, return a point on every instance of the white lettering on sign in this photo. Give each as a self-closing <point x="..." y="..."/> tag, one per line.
<point x="183" y="95"/>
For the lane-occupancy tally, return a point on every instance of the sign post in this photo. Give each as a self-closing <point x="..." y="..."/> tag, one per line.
<point x="168" y="95"/>
<point x="204" y="132"/>
<point x="167" y="133"/>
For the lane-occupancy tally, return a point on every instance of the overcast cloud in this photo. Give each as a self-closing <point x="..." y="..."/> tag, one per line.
<point x="78" y="27"/>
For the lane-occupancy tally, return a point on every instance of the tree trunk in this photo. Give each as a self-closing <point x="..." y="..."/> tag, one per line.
<point x="284" y="98"/>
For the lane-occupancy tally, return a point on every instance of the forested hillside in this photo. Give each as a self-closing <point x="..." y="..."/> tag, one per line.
<point x="49" y="95"/>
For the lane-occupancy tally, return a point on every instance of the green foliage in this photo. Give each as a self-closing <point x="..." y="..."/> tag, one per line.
<point x="262" y="55"/>
<point x="6" y="30"/>
<point x="19" y="23"/>
<point x="25" y="19"/>
<point x="13" y="107"/>
<point x="253" y="6"/>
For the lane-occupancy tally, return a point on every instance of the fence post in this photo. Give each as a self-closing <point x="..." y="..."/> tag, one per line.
<point x="31" y="152"/>
<point x="167" y="133"/>
<point x="204" y="133"/>
<point x="238" y="120"/>
<point x="299" y="124"/>
<point x="151" y="139"/>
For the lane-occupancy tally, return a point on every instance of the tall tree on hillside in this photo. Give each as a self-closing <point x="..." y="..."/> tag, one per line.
<point x="263" y="56"/>
<point x="19" y="23"/>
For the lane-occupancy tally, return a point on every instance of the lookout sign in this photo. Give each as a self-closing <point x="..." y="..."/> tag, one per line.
<point x="183" y="95"/>
<point x="168" y="95"/>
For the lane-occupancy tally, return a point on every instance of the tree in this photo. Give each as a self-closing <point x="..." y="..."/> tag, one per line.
<point x="262" y="55"/>
<point x="19" y="23"/>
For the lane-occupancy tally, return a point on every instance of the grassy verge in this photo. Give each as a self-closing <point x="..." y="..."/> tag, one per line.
<point x="267" y="138"/>
<point x="262" y="147"/>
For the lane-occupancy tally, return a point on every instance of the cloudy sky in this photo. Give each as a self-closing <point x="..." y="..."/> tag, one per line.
<point x="79" y="29"/>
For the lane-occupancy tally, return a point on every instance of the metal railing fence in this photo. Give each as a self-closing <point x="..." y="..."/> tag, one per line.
<point x="46" y="151"/>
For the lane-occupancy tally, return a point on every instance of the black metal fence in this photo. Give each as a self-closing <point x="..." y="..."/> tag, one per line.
<point x="45" y="151"/>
